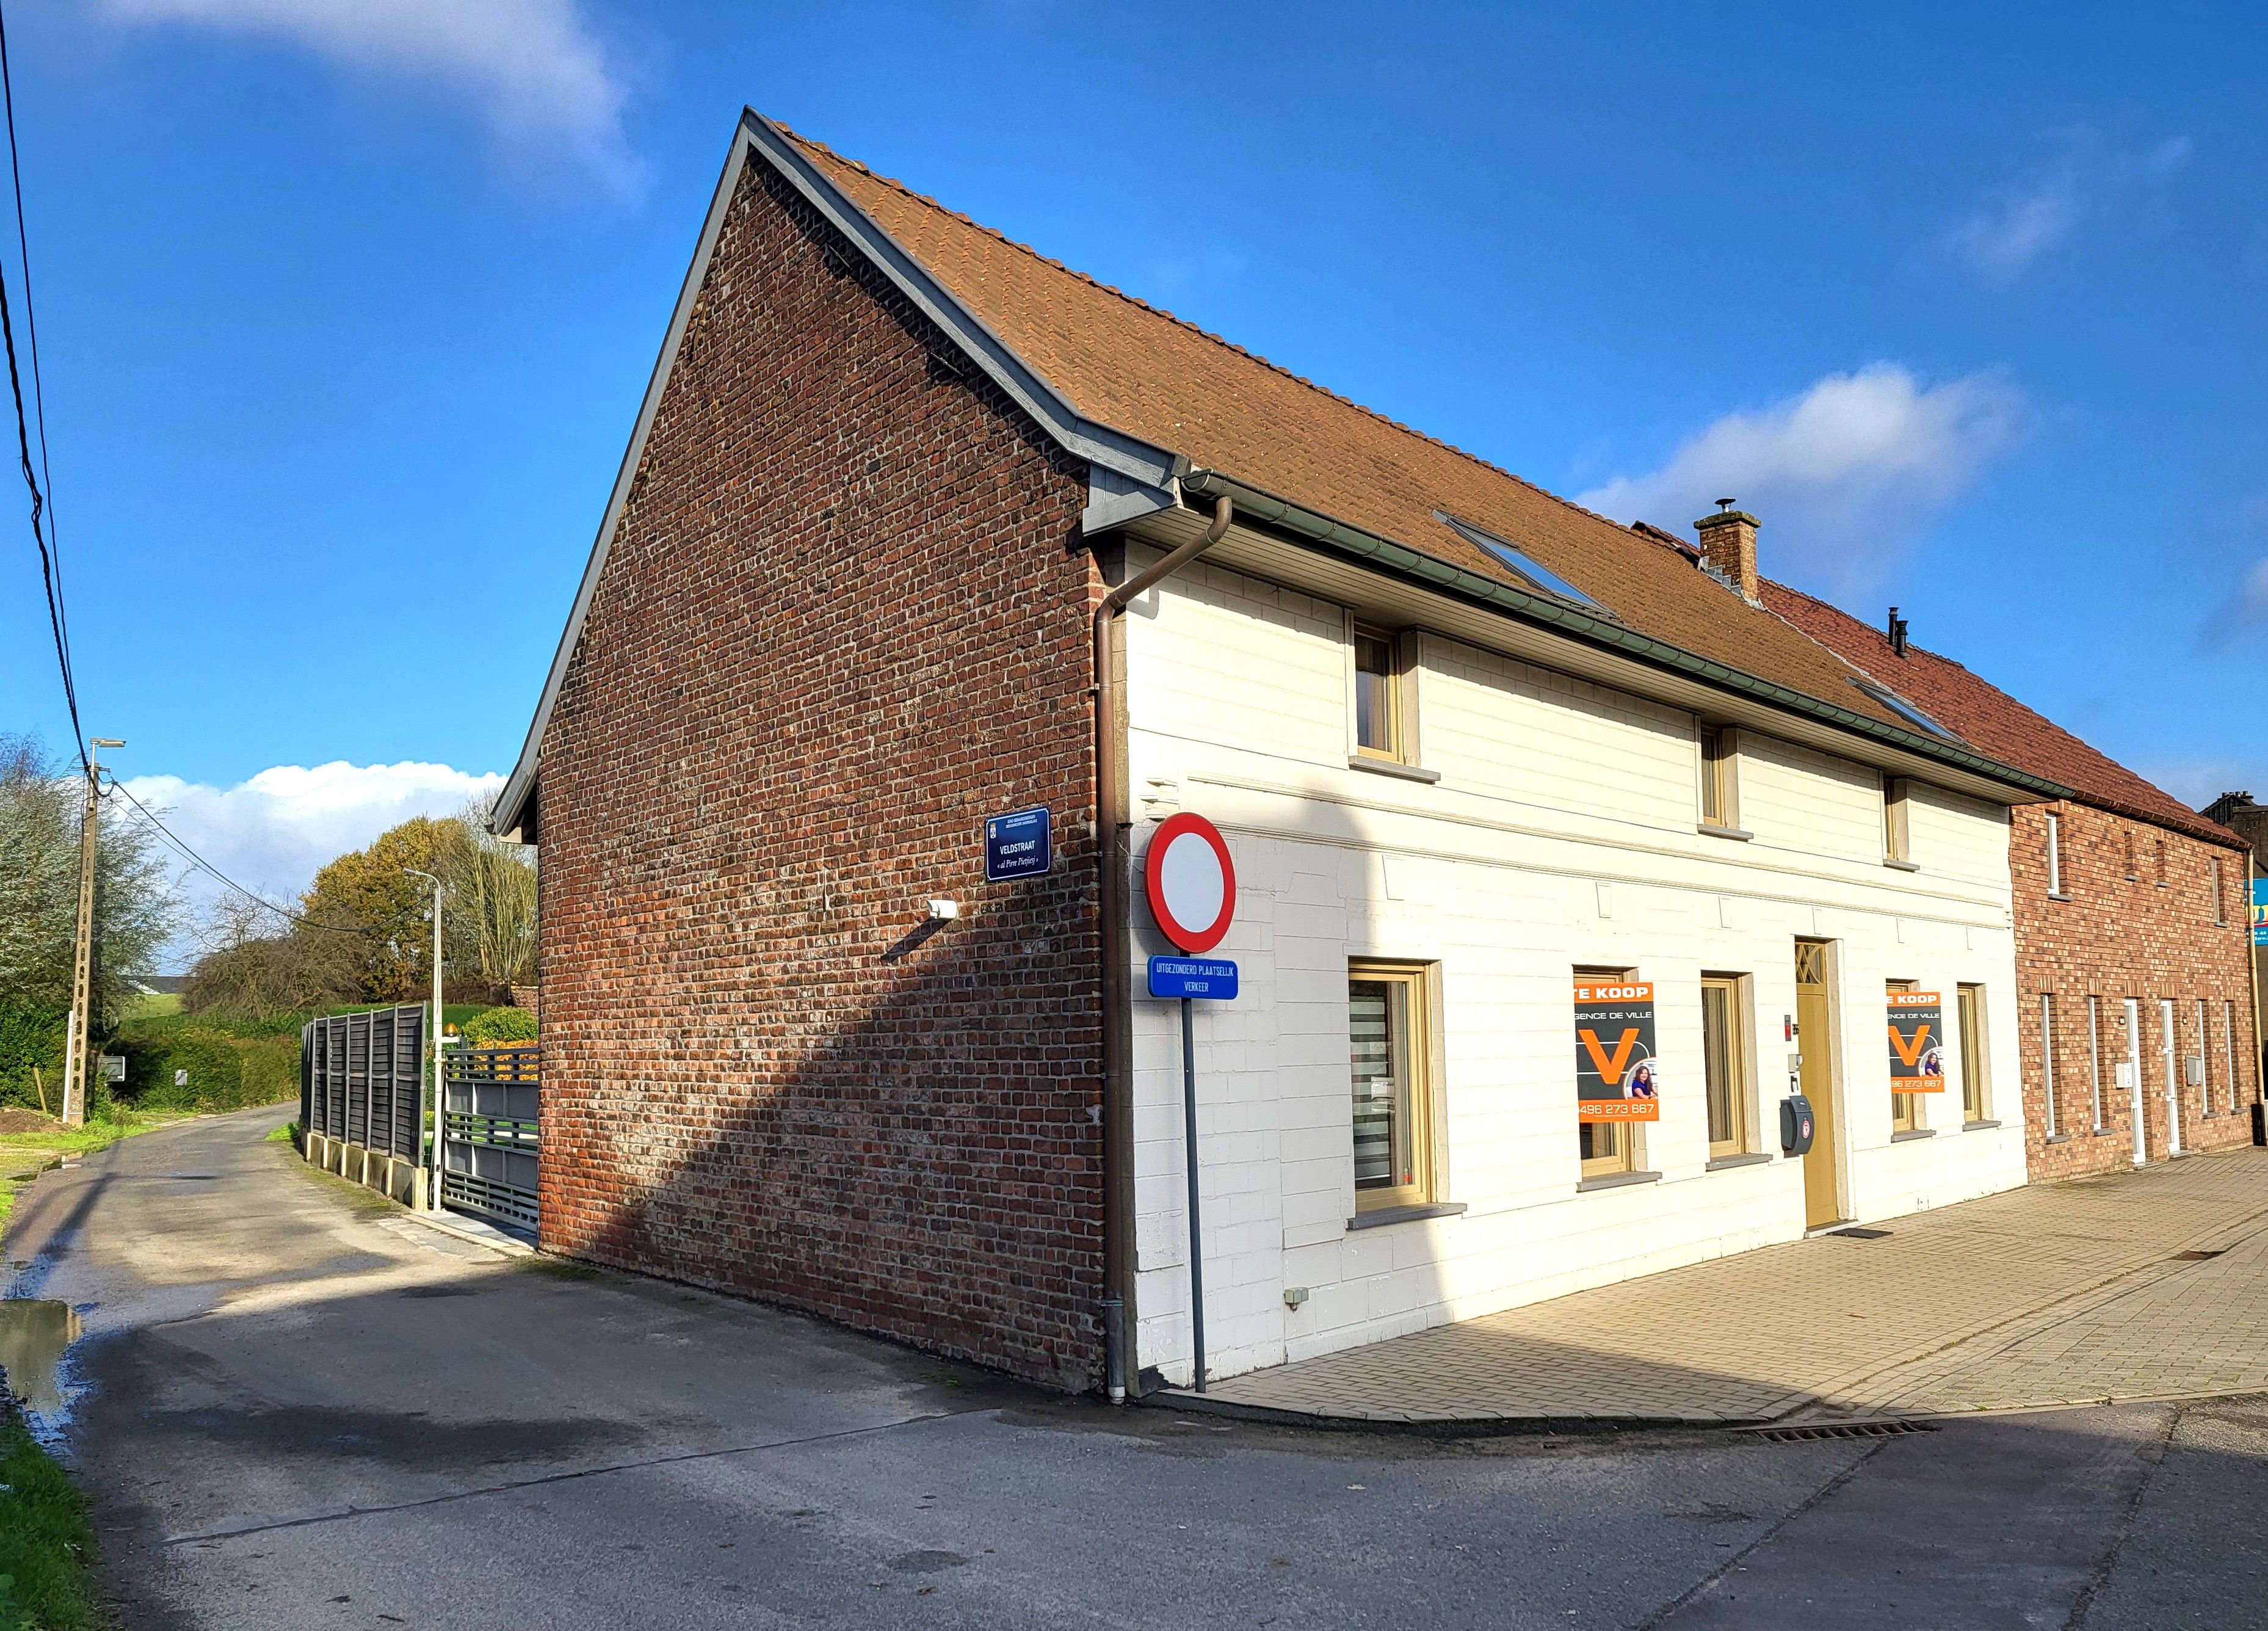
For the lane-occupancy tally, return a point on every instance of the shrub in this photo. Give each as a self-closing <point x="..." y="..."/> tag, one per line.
<point x="494" y="1027"/>
<point x="226" y="1070"/>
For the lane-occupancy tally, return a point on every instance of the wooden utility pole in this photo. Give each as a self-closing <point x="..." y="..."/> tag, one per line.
<point x="75" y="1070"/>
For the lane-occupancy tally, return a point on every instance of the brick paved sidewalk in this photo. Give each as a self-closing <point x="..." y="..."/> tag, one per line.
<point x="2059" y="1294"/>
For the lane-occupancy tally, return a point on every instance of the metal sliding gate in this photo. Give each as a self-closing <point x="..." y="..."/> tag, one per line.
<point x="489" y="1133"/>
<point x="362" y="1080"/>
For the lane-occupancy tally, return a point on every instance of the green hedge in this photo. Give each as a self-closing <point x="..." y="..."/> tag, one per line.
<point x="226" y="1070"/>
<point x="30" y="1037"/>
<point x="495" y="1027"/>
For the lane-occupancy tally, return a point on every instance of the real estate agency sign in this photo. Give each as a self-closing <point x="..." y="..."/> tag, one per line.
<point x="1617" y="1074"/>
<point x="1917" y="1042"/>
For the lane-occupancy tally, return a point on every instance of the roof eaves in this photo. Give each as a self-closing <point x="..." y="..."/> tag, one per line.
<point x="1414" y="565"/>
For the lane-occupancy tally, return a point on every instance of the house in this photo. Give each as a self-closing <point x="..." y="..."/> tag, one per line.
<point x="2138" y="1020"/>
<point x="868" y="579"/>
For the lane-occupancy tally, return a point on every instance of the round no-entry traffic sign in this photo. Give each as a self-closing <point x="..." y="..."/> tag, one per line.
<point x="1192" y="881"/>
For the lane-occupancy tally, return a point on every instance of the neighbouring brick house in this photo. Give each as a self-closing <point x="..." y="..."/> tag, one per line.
<point x="2132" y="947"/>
<point x="1472" y="747"/>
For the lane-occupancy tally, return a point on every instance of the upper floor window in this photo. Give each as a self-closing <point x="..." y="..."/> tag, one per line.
<point x="2055" y="854"/>
<point x="1720" y="790"/>
<point x="1897" y="833"/>
<point x="1377" y="725"/>
<point x="2219" y="900"/>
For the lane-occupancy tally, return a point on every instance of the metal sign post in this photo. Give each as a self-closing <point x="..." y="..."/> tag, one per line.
<point x="1191" y="883"/>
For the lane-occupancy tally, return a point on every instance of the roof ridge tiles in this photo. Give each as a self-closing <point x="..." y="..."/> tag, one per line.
<point x="1137" y="301"/>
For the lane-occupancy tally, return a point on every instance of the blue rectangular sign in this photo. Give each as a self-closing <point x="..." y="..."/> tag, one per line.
<point x="1211" y="977"/>
<point x="2260" y="912"/>
<point x="1019" y="844"/>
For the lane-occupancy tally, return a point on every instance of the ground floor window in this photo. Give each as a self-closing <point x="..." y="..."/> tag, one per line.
<point x="2228" y="1049"/>
<point x="1905" y="1108"/>
<point x="2047" y="1059"/>
<point x="1725" y="1061"/>
<point x="1606" y="1148"/>
<point x="2095" y="1055"/>
<point x="1976" y="1083"/>
<point x="1390" y="1033"/>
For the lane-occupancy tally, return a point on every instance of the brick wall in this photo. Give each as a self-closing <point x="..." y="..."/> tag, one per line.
<point x="2121" y="936"/>
<point x="844" y="619"/>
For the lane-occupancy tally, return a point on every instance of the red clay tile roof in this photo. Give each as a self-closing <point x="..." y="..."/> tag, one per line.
<point x="1990" y="719"/>
<point x="1150" y="375"/>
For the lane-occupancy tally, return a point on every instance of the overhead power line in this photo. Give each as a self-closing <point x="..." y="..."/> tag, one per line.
<point x="181" y="847"/>
<point x="50" y="560"/>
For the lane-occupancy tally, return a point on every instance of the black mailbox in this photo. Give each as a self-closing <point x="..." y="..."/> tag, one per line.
<point x="1795" y="1127"/>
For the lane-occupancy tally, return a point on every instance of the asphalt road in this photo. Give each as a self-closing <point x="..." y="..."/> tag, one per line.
<point x="295" y="1409"/>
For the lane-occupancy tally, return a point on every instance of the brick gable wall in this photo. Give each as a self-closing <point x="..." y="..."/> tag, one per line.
<point x="2116" y="938"/>
<point x="842" y="619"/>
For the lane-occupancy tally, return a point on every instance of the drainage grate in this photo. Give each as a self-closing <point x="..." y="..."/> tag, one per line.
<point x="1880" y="1428"/>
<point x="1861" y="1234"/>
<point x="2196" y="1256"/>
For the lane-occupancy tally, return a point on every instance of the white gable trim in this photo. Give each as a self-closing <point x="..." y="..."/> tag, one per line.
<point x="1139" y="477"/>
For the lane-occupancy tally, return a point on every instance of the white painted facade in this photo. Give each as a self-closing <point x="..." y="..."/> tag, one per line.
<point x="1563" y="831"/>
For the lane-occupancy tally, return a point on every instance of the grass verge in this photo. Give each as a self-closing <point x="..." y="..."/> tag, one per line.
<point x="46" y="1546"/>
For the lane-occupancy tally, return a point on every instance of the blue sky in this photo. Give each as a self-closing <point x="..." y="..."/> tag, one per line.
<point x="345" y="311"/>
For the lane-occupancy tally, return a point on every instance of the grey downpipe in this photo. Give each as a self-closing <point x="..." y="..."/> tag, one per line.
<point x="1117" y="1094"/>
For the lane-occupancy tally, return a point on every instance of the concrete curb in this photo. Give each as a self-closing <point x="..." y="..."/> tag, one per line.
<point x="1440" y="1427"/>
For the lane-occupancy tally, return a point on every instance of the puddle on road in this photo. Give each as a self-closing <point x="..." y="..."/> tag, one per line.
<point x="34" y="1334"/>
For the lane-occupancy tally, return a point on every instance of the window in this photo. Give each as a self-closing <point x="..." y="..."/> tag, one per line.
<point x="2229" y="1050"/>
<point x="2220" y="902"/>
<point x="1538" y="576"/>
<point x="1389" y="1040"/>
<point x="2094" y="1056"/>
<point x="1724" y="1062"/>
<point x="1377" y="705"/>
<point x="2162" y="863"/>
<point x="2205" y="1065"/>
<point x="1905" y="1108"/>
<point x="2055" y="854"/>
<point x="1903" y="709"/>
<point x="1896" y="837"/>
<point x="1975" y="1094"/>
<point x="2047" y="1058"/>
<point x="1720" y="789"/>
<point x="1607" y="1149"/>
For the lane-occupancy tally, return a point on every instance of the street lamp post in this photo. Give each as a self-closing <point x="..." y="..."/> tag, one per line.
<point x="433" y="1191"/>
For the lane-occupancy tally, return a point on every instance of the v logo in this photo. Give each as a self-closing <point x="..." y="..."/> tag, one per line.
<point x="1910" y="1053"/>
<point x="1608" y="1069"/>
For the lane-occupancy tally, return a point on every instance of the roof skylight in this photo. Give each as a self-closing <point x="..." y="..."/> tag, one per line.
<point x="1903" y="709"/>
<point x="1536" y="576"/>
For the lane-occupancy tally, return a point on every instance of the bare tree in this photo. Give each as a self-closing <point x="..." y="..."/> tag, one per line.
<point x="490" y="927"/>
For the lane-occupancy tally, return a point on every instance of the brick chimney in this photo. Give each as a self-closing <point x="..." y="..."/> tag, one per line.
<point x="1729" y="548"/>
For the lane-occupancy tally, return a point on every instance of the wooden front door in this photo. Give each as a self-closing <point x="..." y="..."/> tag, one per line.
<point x="1822" y="1199"/>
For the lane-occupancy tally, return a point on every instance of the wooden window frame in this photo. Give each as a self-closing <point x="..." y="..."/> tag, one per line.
<point x="1721" y="776"/>
<point x="1975" y="1054"/>
<point x="1401" y="689"/>
<point x="1905" y="1108"/>
<point x="1622" y="1135"/>
<point x="1739" y="1056"/>
<point x="1897" y="825"/>
<point x="1422" y="1063"/>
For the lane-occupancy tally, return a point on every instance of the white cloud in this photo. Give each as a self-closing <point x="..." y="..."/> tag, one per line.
<point x="1843" y="476"/>
<point x="2003" y="237"/>
<point x="271" y="833"/>
<point x="532" y="69"/>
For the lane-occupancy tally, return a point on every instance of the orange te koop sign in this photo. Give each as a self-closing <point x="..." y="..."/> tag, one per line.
<point x="1617" y="1074"/>
<point x="1917" y="1042"/>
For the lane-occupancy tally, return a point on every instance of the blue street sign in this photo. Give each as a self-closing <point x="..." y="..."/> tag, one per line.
<point x="1019" y="844"/>
<point x="1211" y="977"/>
